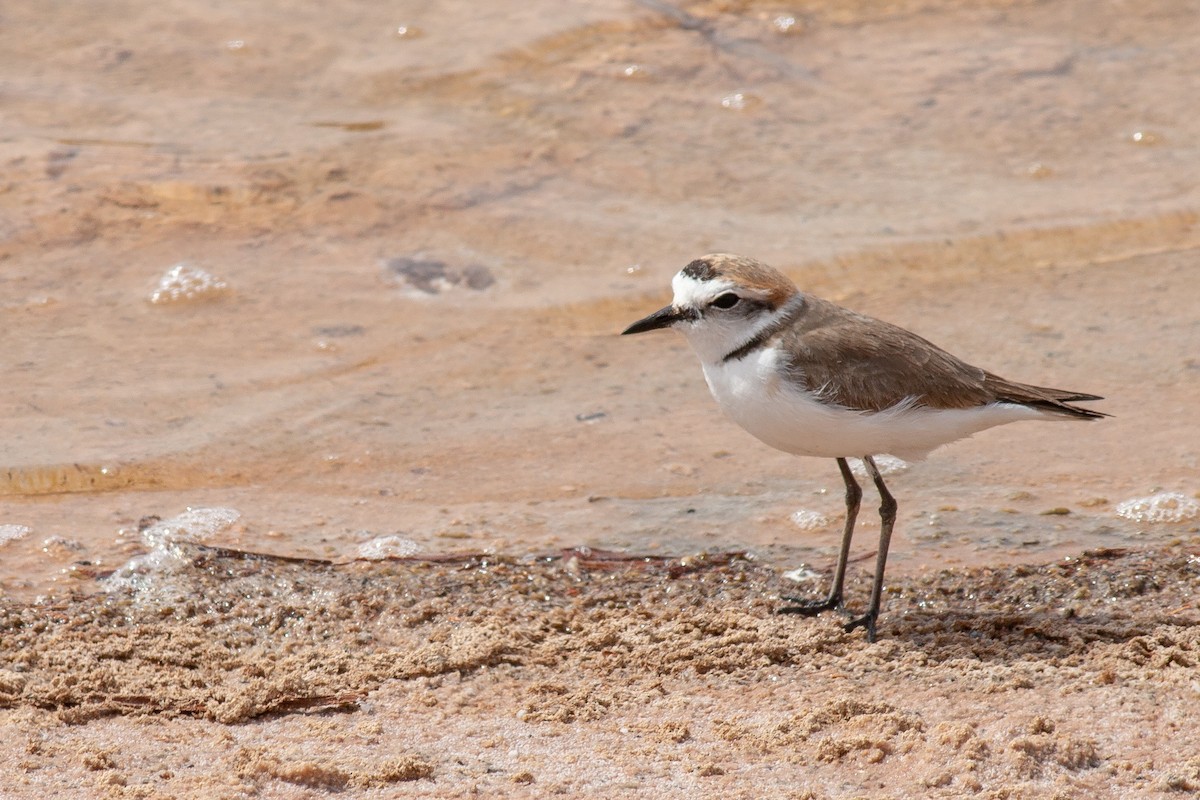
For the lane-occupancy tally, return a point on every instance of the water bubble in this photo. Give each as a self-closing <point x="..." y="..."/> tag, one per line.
<point x="235" y="44"/>
<point x="1161" y="507"/>
<point x="741" y="101"/>
<point x="808" y="520"/>
<point x="802" y="573"/>
<point x="10" y="533"/>
<point x="634" y="71"/>
<point x="387" y="547"/>
<point x="787" y="24"/>
<point x="185" y="282"/>
<point x="168" y="556"/>
<point x="193" y="525"/>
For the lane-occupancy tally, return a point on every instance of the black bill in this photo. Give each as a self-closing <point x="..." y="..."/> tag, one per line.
<point x="663" y="318"/>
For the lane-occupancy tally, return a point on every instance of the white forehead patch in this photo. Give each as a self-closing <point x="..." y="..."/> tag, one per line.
<point x="691" y="293"/>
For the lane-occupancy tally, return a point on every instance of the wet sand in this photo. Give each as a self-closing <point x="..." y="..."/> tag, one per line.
<point x="426" y="259"/>
<point x="428" y="226"/>
<point x="590" y="672"/>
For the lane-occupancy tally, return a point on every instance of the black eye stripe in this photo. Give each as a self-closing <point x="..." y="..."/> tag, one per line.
<point x="727" y="300"/>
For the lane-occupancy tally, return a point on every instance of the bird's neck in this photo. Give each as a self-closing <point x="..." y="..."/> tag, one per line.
<point x="730" y="349"/>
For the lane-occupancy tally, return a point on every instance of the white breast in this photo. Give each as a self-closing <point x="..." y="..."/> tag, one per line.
<point x="760" y="398"/>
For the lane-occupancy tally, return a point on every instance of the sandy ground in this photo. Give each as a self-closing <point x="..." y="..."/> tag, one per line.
<point x="589" y="672"/>
<point x="424" y="226"/>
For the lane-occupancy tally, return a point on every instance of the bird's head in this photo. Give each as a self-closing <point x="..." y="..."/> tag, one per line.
<point x="721" y="301"/>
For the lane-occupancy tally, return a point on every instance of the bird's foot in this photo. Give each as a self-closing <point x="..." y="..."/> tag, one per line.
<point x="810" y="608"/>
<point x="865" y="621"/>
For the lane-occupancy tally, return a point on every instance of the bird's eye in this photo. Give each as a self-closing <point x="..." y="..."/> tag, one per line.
<point x="727" y="300"/>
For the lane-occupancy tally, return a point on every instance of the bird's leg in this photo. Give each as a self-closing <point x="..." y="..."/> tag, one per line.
<point x="811" y="608"/>
<point x="887" y="517"/>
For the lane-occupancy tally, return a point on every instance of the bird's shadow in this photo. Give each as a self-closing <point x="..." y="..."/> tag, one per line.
<point x="1016" y="632"/>
<point x="1012" y="637"/>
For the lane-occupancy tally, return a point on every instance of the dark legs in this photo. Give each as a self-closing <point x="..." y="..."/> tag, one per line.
<point x="834" y="600"/>
<point x="887" y="517"/>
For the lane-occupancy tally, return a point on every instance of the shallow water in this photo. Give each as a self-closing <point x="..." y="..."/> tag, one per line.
<point x="425" y="243"/>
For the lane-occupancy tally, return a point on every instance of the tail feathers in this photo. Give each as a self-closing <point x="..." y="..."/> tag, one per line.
<point x="1043" y="398"/>
<point x="1070" y="397"/>
<point x="1067" y="410"/>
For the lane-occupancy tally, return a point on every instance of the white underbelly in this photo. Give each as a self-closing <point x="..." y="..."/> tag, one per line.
<point x="756" y="396"/>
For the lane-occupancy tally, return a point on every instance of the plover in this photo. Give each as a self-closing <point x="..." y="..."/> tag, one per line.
<point x="811" y="378"/>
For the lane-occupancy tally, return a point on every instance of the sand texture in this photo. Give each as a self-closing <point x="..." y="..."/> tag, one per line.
<point x="588" y="672"/>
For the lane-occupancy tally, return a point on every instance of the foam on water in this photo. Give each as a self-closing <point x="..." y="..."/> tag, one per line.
<point x="1161" y="507"/>
<point x="387" y="547"/>
<point x="185" y="282"/>
<point x="193" y="525"/>
<point x="10" y="533"/>
<point x="167" y="540"/>
<point x="808" y="520"/>
<point x="801" y="574"/>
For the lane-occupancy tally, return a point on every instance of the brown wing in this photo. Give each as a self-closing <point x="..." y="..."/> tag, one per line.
<point x="870" y="365"/>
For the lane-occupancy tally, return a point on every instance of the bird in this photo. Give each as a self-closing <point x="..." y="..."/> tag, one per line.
<point x="811" y="378"/>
